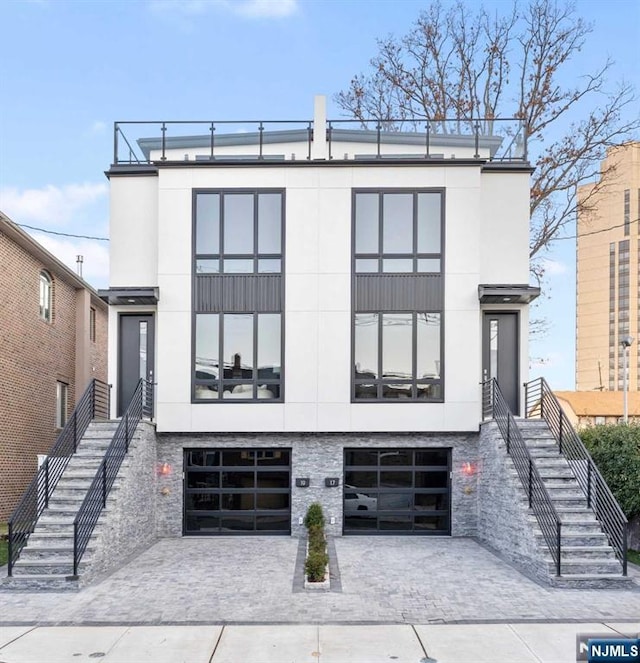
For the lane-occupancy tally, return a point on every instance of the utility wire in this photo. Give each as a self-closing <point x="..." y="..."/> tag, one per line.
<point x="596" y="232"/>
<point x="53" y="232"/>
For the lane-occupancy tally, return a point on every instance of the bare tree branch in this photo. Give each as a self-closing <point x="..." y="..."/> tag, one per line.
<point x="457" y="63"/>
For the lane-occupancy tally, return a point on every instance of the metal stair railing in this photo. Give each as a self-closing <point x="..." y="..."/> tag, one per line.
<point x="494" y="405"/>
<point x="93" y="404"/>
<point x="141" y="405"/>
<point x="542" y="403"/>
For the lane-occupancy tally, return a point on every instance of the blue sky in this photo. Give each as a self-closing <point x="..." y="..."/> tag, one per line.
<point x="69" y="69"/>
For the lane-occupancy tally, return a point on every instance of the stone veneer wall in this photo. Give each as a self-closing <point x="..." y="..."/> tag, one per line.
<point x="504" y="523"/>
<point x="128" y="524"/>
<point x="317" y="456"/>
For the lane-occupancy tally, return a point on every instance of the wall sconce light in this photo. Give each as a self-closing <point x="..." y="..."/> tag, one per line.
<point x="164" y="469"/>
<point x="468" y="469"/>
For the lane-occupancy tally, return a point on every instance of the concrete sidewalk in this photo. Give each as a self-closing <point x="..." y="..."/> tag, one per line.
<point x="299" y="643"/>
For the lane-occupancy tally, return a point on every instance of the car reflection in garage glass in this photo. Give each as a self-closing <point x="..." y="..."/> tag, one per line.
<point x="404" y="491"/>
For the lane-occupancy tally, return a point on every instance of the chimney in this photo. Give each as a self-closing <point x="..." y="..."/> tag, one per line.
<point x="79" y="260"/>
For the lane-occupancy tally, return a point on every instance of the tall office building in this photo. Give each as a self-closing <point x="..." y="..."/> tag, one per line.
<point x="608" y="275"/>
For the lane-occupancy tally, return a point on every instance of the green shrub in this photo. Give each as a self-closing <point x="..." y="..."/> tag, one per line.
<point x="616" y="451"/>
<point x="314" y="516"/>
<point x="315" y="565"/>
<point x="317" y="541"/>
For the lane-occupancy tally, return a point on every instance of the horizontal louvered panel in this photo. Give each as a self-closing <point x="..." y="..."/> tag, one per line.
<point x="399" y="292"/>
<point x="235" y="293"/>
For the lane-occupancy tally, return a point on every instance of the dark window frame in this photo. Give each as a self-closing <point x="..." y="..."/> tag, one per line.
<point x="255" y="381"/>
<point x="255" y="256"/>
<point x="414" y="381"/>
<point x="414" y="255"/>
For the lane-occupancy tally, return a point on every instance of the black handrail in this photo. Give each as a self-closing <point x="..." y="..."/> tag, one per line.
<point x="540" y="503"/>
<point x="542" y="403"/>
<point x="141" y="405"/>
<point x="93" y="404"/>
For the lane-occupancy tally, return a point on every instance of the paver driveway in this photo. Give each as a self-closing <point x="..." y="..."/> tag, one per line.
<point x="258" y="580"/>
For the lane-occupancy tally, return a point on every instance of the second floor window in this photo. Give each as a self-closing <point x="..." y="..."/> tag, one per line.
<point x="46" y="298"/>
<point x="397" y="356"/>
<point x="398" y="232"/>
<point x="238" y="232"/>
<point x="238" y="356"/>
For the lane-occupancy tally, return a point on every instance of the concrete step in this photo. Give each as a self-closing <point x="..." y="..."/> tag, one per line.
<point x="576" y="552"/>
<point x="45" y="567"/>
<point x="42" y="582"/>
<point x="560" y="481"/>
<point x="592" y="566"/>
<point x="540" y="443"/>
<point x="54" y="553"/>
<point x="551" y="462"/>
<point x="573" y="540"/>
<point x="592" y="581"/>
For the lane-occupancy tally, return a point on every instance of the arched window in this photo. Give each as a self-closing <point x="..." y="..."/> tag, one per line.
<point x="45" y="296"/>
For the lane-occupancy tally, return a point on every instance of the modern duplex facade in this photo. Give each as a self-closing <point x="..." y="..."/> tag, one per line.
<point x="53" y="340"/>
<point x="608" y="275"/>
<point x="318" y="308"/>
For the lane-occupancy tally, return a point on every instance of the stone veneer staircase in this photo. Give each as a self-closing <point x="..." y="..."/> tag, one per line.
<point x="46" y="561"/>
<point x="587" y="558"/>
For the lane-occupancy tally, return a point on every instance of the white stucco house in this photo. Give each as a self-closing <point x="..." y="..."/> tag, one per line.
<point x="320" y="311"/>
<point x="318" y="307"/>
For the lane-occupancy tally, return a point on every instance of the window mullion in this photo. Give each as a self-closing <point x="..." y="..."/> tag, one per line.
<point x="380" y="231"/>
<point x="415" y="233"/>
<point x="220" y="355"/>
<point x="254" y="368"/>
<point x="380" y="376"/>
<point x="414" y="354"/>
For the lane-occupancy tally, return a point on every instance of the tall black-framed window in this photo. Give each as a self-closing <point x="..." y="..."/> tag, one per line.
<point x="398" y="295"/>
<point x="238" y="356"/>
<point x="238" y="232"/>
<point x="238" y="295"/>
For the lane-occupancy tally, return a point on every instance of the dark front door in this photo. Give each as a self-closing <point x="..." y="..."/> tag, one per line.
<point x="500" y="356"/>
<point x="136" y="356"/>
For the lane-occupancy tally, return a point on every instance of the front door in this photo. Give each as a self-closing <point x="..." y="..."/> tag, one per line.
<point x="500" y="356"/>
<point x="136" y="356"/>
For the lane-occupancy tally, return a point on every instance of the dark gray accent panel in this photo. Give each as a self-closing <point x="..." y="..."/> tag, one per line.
<point x="398" y="292"/>
<point x="238" y="293"/>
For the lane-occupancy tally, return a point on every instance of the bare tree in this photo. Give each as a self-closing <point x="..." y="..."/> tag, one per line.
<point x="458" y="64"/>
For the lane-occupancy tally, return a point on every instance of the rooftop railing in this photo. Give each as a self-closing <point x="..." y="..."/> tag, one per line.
<point x="159" y="141"/>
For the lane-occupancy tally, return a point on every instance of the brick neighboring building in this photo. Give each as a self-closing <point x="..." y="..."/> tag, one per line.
<point x="53" y="340"/>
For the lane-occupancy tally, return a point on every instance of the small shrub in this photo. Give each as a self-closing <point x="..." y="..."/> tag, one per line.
<point x="314" y="516"/>
<point x="317" y="541"/>
<point x="315" y="565"/>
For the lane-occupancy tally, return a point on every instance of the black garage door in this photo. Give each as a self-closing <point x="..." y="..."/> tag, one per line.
<point x="399" y="491"/>
<point x="237" y="491"/>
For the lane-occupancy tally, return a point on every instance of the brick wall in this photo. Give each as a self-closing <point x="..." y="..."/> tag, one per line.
<point x="34" y="355"/>
<point x="98" y="349"/>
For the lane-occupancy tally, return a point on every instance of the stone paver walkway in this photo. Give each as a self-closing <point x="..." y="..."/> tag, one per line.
<point x="254" y="580"/>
